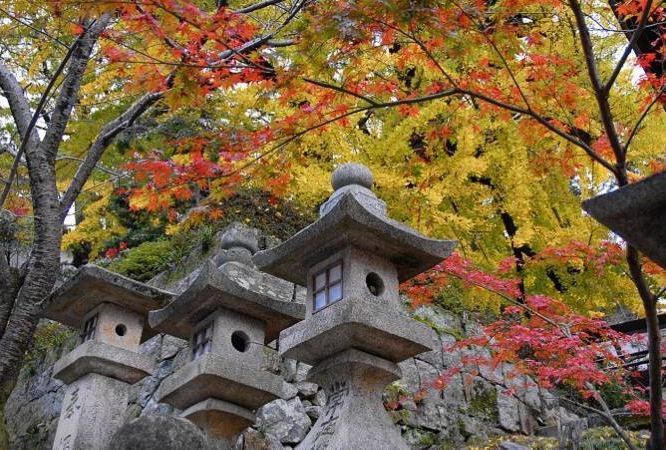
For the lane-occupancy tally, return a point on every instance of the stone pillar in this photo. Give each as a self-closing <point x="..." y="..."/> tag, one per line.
<point x="354" y="415"/>
<point x="93" y="409"/>
<point x="110" y="312"/>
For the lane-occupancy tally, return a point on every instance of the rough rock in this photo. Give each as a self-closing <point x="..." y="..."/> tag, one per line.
<point x="285" y="420"/>
<point x="307" y="389"/>
<point x="158" y="431"/>
<point x="252" y="439"/>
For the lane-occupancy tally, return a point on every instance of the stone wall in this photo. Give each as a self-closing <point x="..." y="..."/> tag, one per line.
<point x="464" y="413"/>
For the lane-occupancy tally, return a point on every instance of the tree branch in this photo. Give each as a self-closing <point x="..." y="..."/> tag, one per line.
<point x="257" y="6"/>
<point x="630" y="46"/>
<point x="644" y="114"/>
<point x="98" y="166"/>
<point x="101" y="142"/>
<point x="29" y="137"/>
<point x="18" y="103"/>
<point x="70" y="88"/>
<point x="258" y="42"/>
<point x="599" y="93"/>
<point x="500" y="104"/>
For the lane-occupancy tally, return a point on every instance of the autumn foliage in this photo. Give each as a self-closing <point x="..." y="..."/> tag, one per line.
<point x="487" y="122"/>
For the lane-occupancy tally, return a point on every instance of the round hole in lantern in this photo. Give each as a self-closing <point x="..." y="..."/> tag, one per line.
<point x="121" y="329"/>
<point x="375" y="284"/>
<point x="240" y="341"/>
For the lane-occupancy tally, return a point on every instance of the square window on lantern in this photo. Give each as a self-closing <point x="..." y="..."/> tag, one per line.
<point x="202" y="341"/>
<point x="327" y="286"/>
<point x="88" y="331"/>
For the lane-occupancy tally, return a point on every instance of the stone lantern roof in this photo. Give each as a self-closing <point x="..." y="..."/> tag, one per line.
<point x="233" y="286"/>
<point x="636" y="212"/>
<point x="353" y="215"/>
<point x="92" y="286"/>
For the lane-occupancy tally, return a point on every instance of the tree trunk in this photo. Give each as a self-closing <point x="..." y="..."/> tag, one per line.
<point x="5" y="390"/>
<point x="657" y="441"/>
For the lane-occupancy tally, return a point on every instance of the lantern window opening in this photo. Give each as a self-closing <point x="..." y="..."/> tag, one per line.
<point x="88" y="331"/>
<point x="327" y="286"/>
<point x="202" y="341"/>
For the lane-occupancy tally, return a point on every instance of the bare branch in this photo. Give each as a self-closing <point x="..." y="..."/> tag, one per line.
<point x="261" y="40"/>
<point x="642" y="117"/>
<point x="258" y="6"/>
<point x="98" y="166"/>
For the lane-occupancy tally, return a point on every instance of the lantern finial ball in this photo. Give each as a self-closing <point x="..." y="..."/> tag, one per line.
<point x="351" y="173"/>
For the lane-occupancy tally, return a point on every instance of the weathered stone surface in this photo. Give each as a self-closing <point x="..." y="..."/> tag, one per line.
<point x="354" y="219"/>
<point x="108" y="360"/>
<point x="233" y="287"/>
<point x="212" y="376"/>
<point x="458" y="413"/>
<point x="306" y="389"/>
<point x="93" y="409"/>
<point x="158" y="432"/>
<point x="252" y="439"/>
<point x="93" y="286"/>
<point x="351" y="174"/>
<point x="354" y="416"/>
<point x="221" y="420"/>
<point x="287" y="421"/>
<point x="313" y="411"/>
<point x="636" y="212"/>
<point x="508" y="411"/>
<point x="33" y="408"/>
<point x="354" y="324"/>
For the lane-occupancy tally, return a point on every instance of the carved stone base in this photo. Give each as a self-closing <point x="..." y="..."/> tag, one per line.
<point x="354" y="416"/>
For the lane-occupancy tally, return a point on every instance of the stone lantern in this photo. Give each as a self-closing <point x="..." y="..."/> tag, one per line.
<point x="111" y="313"/>
<point x="228" y="314"/>
<point x="352" y="261"/>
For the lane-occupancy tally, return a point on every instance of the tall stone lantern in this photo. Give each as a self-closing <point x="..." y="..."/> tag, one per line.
<point x="228" y="314"/>
<point x="111" y="313"/>
<point x="352" y="261"/>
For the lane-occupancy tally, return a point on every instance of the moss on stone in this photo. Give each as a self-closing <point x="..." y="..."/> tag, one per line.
<point x="484" y="404"/>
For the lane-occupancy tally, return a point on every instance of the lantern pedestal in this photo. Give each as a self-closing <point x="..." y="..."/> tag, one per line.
<point x="354" y="415"/>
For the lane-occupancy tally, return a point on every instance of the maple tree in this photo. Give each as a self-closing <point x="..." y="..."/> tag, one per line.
<point x="487" y="122"/>
<point x="538" y="341"/>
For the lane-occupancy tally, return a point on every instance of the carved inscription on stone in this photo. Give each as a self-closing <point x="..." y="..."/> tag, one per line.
<point x="338" y="392"/>
<point x="68" y="421"/>
<point x="73" y="403"/>
<point x="65" y="443"/>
